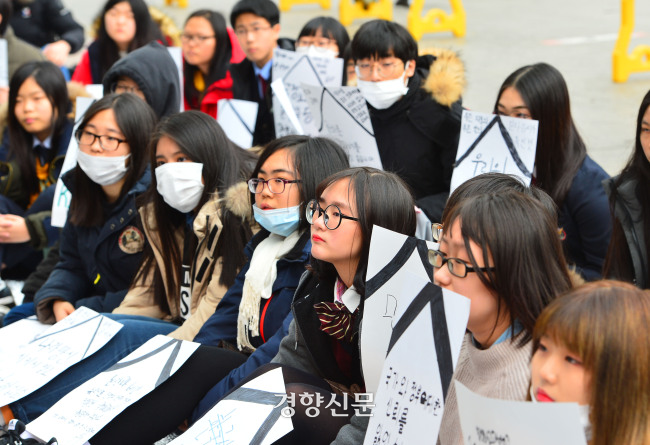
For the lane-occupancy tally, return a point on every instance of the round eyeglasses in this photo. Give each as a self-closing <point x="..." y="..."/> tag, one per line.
<point x="106" y="142"/>
<point x="457" y="267"/>
<point x="332" y="215"/>
<point x="275" y="185"/>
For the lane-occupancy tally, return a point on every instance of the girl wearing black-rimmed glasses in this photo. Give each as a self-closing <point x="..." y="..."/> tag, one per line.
<point x="503" y="252"/>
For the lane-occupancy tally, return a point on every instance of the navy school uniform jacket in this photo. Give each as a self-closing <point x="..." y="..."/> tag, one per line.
<point x="222" y="325"/>
<point x="97" y="264"/>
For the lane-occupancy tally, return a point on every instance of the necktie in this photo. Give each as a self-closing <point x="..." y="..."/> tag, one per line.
<point x="263" y="84"/>
<point x="335" y="319"/>
<point x="40" y="152"/>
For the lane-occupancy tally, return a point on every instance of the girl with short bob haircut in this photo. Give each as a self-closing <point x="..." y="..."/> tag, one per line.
<point x="124" y="25"/>
<point x="326" y="35"/>
<point x="591" y="347"/>
<point x="194" y="216"/>
<point x="506" y="257"/>
<point x="628" y="254"/>
<point x="562" y="167"/>
<point x="32" y="154"/>
<point x="209" y="47"/>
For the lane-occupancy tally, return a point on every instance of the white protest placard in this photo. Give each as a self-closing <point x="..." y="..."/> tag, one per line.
<point x="294" y="69"/>
<point x="341" y="114"/>
<point x="96" y="90"/>
<point x="87" y="409"/>
<point x="392" y="259"/>
<point x="494" y="143"/>
<point x="237" y="118"/>
<point x="422" y="353"/>
<point x="62" y="195"/>
<point x="4" y="64"/>
<point x="251" y="414"/>
<point x="17" y="335"/>
<point x="486" y="421"/>
<point x="69" y="341"/>
<point x="177" y="56"/>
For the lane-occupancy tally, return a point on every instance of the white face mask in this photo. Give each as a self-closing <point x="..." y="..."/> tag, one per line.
<point x="384" y="93"/>
<point x="316" y="51"/>
<point x="103" y="170"/>
<point x="180" y="184"/>
<point x="584" y="415"/>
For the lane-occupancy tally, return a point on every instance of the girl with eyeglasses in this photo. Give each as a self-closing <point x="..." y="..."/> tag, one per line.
<point x="563" y="169"/>
<point x="628" y="254"/>
<point x="31" y="157"/>
<point x="502" y="251"/>
<point x="124" y="25"/>
<point x="250" y="315"/>
<point x="194" y="218"/>
<point x="591" y="348"/>
<point x="209" y="47"/>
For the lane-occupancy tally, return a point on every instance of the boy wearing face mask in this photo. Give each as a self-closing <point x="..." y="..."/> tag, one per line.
<point x="415" y="108"/>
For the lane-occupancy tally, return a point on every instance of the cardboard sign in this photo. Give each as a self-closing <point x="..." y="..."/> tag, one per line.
<point x="493" y="143"/>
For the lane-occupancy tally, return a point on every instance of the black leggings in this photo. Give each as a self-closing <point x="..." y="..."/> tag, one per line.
<point x="161" y="411"/>
<point x="314" y="429"/>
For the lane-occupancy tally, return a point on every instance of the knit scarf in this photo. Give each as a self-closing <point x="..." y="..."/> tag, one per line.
<point x="259" y="284"/>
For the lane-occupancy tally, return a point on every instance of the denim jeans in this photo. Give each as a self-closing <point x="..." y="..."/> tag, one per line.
<point x="136" y="331"/>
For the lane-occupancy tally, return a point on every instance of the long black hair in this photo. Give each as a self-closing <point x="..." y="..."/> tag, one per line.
<point x="220" y="59"/>
<point x="560" y="149"/>
<point x="200" y="137"/>
<point x="382" y="199"/>
<point x="49" y="77"/>
<point x="313" y="160"/>
<point x="145" y="31"/>
<point x="618" y="263"/>
<point x="136" y="121"/>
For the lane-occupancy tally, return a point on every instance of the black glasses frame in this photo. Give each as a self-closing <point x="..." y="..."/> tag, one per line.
<point x="433" y="253"/>
<point x="313" y="206"/>
<point x="253" y="183"/>
<point x="81" y="131"/>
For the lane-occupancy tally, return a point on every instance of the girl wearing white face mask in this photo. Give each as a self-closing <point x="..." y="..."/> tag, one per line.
<point x="323" y="37"/>
<point x="591" y="348"/>
<point x="103" y="229"/>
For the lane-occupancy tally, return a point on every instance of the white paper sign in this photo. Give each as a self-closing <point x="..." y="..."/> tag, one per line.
<point x="422" y="353"/>
<point x="248" y="415"/>
<point x="341" y="114"/>
<point x="62" y="195"/>
<point x="291" y="113"/>
<point x="96" y="90"/>
<point x="486" y="421"/>
<point x="17" y="335"/>
<point x="493" y="143"/>
<point x="4" y="64"/>
<point x="177" y="56"/>
<point x="238" y="118"/>
<point x="74" y="338"/>
<point x="87" y="409"/>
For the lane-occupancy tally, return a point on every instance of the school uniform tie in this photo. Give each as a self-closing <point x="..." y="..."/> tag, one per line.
<point x="335" y="319"/>
<point x="264" y="84"/>
<point x="40" y="153"/>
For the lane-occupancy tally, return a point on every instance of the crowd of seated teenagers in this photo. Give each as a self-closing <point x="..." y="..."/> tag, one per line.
<point x="408" y="106"/>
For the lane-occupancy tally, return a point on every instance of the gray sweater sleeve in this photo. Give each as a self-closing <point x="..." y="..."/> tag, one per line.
<point x="354" y="432"/>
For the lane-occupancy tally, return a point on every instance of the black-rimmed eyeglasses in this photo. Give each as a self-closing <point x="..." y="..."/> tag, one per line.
<point x="457" y="267"/>
<point x="275" y="185"/>
<point x="332" y="215"/>
<point x="106" y="142"/>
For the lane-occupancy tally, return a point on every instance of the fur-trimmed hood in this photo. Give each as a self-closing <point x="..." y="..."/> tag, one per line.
<point x="446" y="79"/>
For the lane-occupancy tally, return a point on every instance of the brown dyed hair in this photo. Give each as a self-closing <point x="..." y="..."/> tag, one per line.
<point x="605" y="324"/>
<point x="520" y="234"/>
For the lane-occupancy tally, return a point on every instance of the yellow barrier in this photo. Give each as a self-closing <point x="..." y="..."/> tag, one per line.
<point x="181" y="3"/>
<point x="350" y="10"/>
<point x="286" y="5"/>
<point x="623" y="64"/>
<point x="436" y="20"/>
